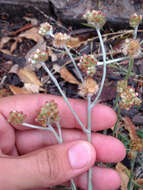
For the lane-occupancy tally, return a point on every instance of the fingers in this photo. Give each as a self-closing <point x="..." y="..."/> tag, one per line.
<point x="42" y="169"/>
<point x="103" y="117"/>
<point x="108" y="149"/>
<point x="7" y="136"/>
<point x="102" y="179"/>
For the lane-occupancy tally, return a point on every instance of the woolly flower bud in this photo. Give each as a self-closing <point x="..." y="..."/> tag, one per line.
<point x="60" y="40"/>
<point x="48" y="112"/>
<point x="128" y="95"/>
<point x="96" y="18"/>
<point x="45" y="29"/>
<point x="38" y="56"/>
<point x="16" y="118"/>
<point x="135" y="20"/>
<point x="131" y="48"/>
<point x="88" y="64"/>
<point x="88" y="87"/>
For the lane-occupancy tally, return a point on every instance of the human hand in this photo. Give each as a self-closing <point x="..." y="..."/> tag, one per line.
<point x="31" y="159"/>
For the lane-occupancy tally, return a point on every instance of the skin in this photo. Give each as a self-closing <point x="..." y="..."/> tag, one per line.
<point x="31" y="159"/>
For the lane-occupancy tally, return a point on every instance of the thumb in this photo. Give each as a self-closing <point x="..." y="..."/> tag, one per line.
<point x="46" y="167"/>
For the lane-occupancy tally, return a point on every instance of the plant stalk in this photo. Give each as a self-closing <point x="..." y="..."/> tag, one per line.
<point x="74" y="63"/>
<point x="131" y="63"/>
<point x="64" y="96"/>
<point x="89" y="140"/>
<point x="104" y="67"/>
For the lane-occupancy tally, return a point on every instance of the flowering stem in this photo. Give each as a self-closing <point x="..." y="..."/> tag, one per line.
<point x="104" y="67"/>
<point x="49" y="128"/>
<point x="114" y="60"/>
<point x="59" y="131"/>
<point x="60" y="142"/>
<point x="74" y="63"/>
<point x="89" y="140"/>
<point x="65" y="98"/>
<point x="129" y="69"/>
<point x="135" y="31"/>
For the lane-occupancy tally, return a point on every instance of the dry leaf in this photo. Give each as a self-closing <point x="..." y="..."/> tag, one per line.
<point x="31" y="34"/>
<point x="73" y="42"/>
<point x="3" y="41"/>
<point x="28" y="76"/>
<point x="67" y="76"/>
<point x="123" y="171"/>
<point x="52" y="54"/>
<point x="16" y="90"/>
<point x="140" y="181"/>
<point x="33" y="88"/>
<point x="136" y="144"/>
<point x="131" y="128"/>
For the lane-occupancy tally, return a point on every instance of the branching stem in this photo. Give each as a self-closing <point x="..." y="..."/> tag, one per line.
<point x="64" y="96"/>
<point x="104" y="67"/>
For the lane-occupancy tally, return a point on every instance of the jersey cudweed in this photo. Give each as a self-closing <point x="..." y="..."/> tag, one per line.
<point x="96" y="18"/>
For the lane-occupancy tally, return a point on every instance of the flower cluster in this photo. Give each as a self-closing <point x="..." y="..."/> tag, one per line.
<point x="16" y="118"/>
<point x="135" y="20"/>
<point x="88" y="87"/>
<point x="61" y="39"/>
<point x="128" y="95"/>
<point x="88" y="64"/>
<point x="131" y="48"/>
<point x="48" y="113"/>
<point x="45" y="29"/>
<point x="96" y="18"/>
<point x="38" y="56"/>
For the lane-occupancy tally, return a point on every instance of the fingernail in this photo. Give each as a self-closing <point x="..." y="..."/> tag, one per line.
<point x="80" y="155"/>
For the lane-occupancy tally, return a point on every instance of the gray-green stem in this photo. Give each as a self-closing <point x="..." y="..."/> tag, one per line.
<point x="74" y="63"/>
<point x="64" y="96"/>
<point x="131" y="63"/>
<point x="104" y="67"/>
<point x="114" y="60"/>
<point x="136" y="31"/>
<point x="89" y="140"/>
<point x="49" y="128"/>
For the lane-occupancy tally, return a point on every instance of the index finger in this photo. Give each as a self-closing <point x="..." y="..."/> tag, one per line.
<point x="103" y="117"/>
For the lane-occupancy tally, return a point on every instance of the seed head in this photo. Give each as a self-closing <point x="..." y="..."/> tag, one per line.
<point x="48" y="112"/>
<point x="16" y="118"/>
<point x="61" y="39"/>
<point x="135" y="20"/>
<point x="38" y="56"/>
<point x="96" y="18"/>
<point x="88" y="87"/>
<point x="88" y="64"/>
<point x="45" y="29"/>
<point x="131" y="48"/>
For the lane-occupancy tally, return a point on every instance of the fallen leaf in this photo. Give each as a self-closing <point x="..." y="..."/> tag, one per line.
<point x="73" y="42"/>
<point x="140" y="181"/>
<point x="28" y="77"/>
<point x="136" y="144"/>
<point x="3" y="41"/>
<point x="123" y="172"/>
<point x="31" y="34"/>
<point x="67" y="76"/>
<point x="33" y="88"/>
<point x="16" y="90"/>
